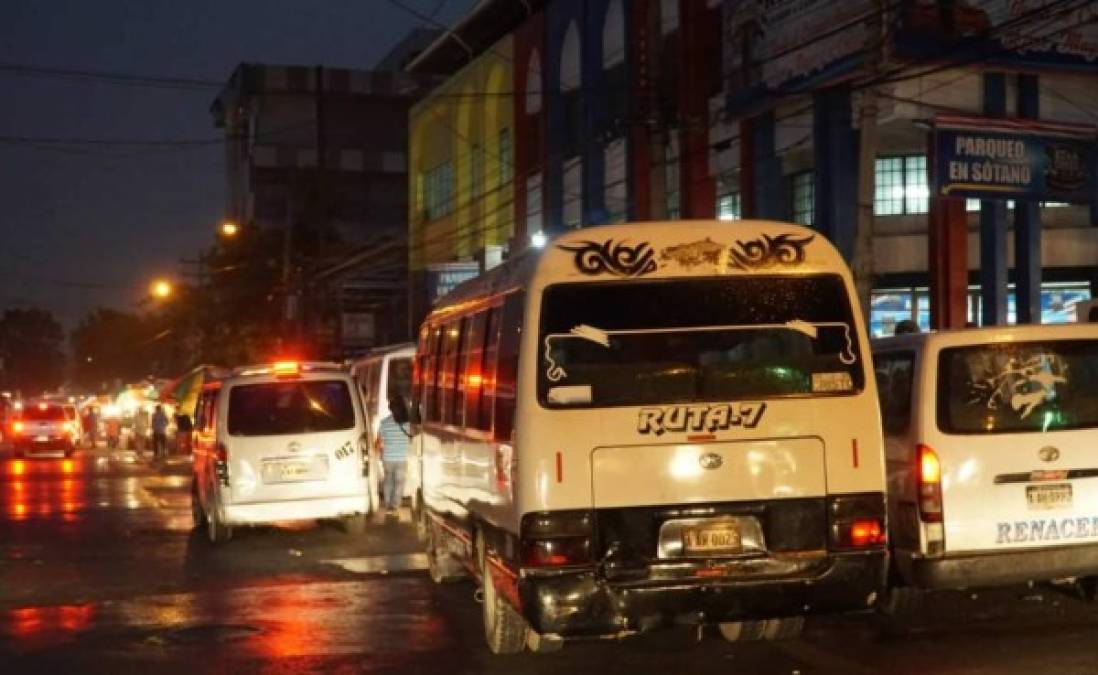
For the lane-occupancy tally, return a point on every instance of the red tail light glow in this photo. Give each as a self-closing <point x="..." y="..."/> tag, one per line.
<point x="866" y="533"/>
<point x="930" y="485"/>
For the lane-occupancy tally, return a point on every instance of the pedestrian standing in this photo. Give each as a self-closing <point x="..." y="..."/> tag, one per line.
<point x="160" y="432"/>
<point x="392" y="444"/>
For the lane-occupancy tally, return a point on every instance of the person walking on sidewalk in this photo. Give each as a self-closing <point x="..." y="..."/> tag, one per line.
<point x="392" y="445"/>
<point x="160" y="433"/>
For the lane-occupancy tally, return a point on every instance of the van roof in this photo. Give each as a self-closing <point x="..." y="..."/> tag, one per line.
<point x="665" y="249"/>
<point x="956" y="337"/>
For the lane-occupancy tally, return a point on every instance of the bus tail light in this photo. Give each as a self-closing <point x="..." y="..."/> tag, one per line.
<point x="929" y="484"/>
<point x="17" y="427"/>
<point x="557" y="538"/>
<point x="857" y="522"/>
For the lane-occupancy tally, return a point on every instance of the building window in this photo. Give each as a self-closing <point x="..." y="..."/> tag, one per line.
<point x="573" y="193"/>
<point x="672" y="178"/>
<point x="533" y="84"/>
<point x="613" y="36"/>
<point x="476" y="171"/>
<point x="571" y="102"/>
<point x="614" y="194"/>
<point x="901" y="186"/>
<point x="728" y="206"/>
<point x="533" y="204"/>
<point x="728" y="197"/>
<point x="438" y="191"/>
<point x="804" y="198"/>
<point x="506" y="159"/>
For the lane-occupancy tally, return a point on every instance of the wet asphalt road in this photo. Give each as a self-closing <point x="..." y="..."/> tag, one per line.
<point x="100" y="573"/>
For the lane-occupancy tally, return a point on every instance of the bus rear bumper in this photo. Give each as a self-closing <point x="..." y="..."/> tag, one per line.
<point x="999" y="568"/>
<point x="583" y="603"/>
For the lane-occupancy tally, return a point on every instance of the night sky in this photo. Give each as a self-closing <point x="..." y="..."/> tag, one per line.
<point x="87" y="225"/>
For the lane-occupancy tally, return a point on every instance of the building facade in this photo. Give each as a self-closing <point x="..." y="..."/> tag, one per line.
<point x="318" y="154"/>
<point x="802" y="111"/>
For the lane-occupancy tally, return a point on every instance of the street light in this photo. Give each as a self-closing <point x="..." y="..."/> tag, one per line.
<point x="161" y="289"/>
<point x="229" y="229"/>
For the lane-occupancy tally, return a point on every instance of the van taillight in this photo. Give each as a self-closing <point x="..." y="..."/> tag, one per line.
<point x="221" y="463"/>
<point x="857" y="521"/>
<point x="557" y="538"/>
<point x="930" y="485"/>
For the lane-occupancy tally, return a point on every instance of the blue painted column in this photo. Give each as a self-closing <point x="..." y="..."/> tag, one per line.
<point x="1027" y="225"/>
<point x="595" y="114"/>
<point x="993" y="225"/>
<point x="836" y="152"/>
<point x="770" y="202"/>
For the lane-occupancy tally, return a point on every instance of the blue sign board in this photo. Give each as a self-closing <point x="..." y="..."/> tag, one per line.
<point x="1013" y="159"/>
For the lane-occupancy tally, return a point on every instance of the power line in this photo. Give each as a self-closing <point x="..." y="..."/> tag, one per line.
<point x="108" y="77"/>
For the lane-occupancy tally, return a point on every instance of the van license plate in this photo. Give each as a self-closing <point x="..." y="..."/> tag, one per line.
<point x="723" y="537"/>
<point x="1056" y="496"/>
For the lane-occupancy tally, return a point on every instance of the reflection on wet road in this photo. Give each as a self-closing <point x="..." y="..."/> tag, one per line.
<point x="100" y="572"/>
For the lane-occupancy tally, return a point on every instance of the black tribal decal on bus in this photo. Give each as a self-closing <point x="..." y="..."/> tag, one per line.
<point x="619" y="259"/>
<point x="699" y="418"/>
<point x="780" y="251"/>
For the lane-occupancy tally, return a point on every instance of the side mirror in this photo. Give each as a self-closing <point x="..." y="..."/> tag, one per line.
<point x="398" y="405"/>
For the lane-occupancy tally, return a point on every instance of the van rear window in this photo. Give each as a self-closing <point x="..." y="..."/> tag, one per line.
<point x="686" y="340"/>
<point x="275" y="408"/>
<point x="1018" y="387"/>
<point x="51" y="413"/>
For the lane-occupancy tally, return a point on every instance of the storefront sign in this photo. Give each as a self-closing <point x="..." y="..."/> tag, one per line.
<point x="444" y="277"/>
<point x="1047" y="33"/>
<point x="781" y="46"/>
<point x="1008" y="159"/>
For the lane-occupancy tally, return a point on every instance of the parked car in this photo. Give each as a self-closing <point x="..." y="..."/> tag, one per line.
<point x="277" y="442"/>
<point x="990" y="436"/>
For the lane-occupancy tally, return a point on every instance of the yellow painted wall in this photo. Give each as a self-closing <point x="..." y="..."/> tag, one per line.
<point x="469" y="109"/>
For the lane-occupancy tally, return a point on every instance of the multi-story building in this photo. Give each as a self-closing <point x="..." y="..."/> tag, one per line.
<point x="319" y="154"/>
<point x="653" y="109"/>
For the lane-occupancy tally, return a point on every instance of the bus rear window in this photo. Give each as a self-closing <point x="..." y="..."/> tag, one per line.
<point x="50" y="413"/>
<point x="1018" y="387"/>
<point x="686" y="340"/>
<point x="276" y="408"/>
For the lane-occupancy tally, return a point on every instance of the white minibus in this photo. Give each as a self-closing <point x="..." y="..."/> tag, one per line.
<point x="382" y="374"/>
<point x="990" y="438"/>
<point x="650" y="424"/>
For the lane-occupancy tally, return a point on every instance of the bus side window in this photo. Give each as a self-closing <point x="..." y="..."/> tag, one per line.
<point x="473" y="353"/>
<point x="894" y="379"/>
<point x="510" y="333"/>
<point x="457" y="410"/>
<point x="488" y="374"/>
<point x="374" y="388"/>
<point x="430" y="375"/>
<point x="451" y="333"/>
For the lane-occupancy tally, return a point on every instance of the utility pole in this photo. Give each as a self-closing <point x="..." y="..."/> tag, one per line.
<point x="867" y="164"/>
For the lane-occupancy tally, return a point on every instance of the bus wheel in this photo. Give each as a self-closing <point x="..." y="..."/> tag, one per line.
<point x="896" y="608"/>
<point x="742" y="631"/>
<point x="440" y="563"/>
<point x="504" y="628"/>
<point x="1088" y="588"/>
<point x="786" y="628"/>
<point x="217" y="531"/>
<point x="198" y="516"/>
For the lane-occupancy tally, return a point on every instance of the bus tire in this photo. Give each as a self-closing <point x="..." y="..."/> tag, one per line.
<point x="742" y="631"/>
<point x="504" y="628"/>
<point x="441" y="565"/>
<point x="198" y="516"/>
<point x="785" y="628"/>
<point x="217" y="531"/>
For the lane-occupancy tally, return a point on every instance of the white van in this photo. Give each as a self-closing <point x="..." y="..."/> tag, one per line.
<point x="990" y="437"/>
<point x="382" y="374"/>
<point x="279" y="442"/>
<point x="654" y="423"/>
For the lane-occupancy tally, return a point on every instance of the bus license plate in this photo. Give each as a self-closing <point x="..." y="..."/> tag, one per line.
<point x="723" y="537"/>
<point x="1043" y="497"/>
